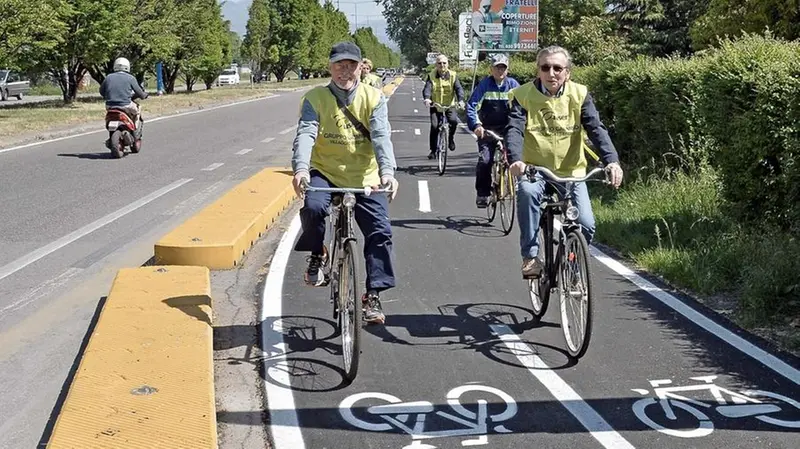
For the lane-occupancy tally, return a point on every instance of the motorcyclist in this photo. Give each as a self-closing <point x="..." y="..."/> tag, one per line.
<point x="119" y="89"/>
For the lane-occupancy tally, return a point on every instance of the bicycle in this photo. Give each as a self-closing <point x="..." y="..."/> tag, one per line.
<point x="566" y="260"/>
<point x="343" y="268"/>
<point x="503" y="187"/>
<point x="444" y="133"/>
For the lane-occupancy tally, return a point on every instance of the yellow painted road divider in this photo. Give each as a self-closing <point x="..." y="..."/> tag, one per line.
<point x="146" y="379"/>
<point x="389" y="89"/>
<point x="219" y="235"/>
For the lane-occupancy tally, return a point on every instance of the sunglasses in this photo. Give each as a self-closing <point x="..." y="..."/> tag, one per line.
<point x="547" y="67"/>
<point x="441" y="63"/>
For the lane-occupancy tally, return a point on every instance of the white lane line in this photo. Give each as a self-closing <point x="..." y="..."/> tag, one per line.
<point x="769" y="360"/>
<point x="414" y="99"/>
<point x="416" y="111"/>
<point x="213" y="167"/>
<point x="245" y="151"/>
<point x="416" y="132"/>
<point x="588" y="417"/>
<point x="284" y="425"/>
<point x="32" y="257"/>
<point x="288" y="130"/>
<point x="42" y="290"/>
<point x="148" y="121"/>
<point x="268" y="140"/>
<point x="424" y="197"/>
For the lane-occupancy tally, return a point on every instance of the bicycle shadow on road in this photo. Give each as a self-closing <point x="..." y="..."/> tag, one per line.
<point x="463" y="224"/>
<point x="102" y="155"/>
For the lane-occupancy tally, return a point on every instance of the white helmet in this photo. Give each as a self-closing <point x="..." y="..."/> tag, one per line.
<point x="122" y="64"/>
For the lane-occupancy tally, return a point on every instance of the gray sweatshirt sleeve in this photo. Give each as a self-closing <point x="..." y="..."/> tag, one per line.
<point x="307" y="128"/>
<point x="381" y="134"/>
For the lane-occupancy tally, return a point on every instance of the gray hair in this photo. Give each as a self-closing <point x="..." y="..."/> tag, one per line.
<point x="552" y="50"/>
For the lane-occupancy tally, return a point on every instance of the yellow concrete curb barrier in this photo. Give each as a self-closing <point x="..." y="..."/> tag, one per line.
<point x="147" y="376"/>
<point x="389" y="89"/>
<point x="219" y="235"/>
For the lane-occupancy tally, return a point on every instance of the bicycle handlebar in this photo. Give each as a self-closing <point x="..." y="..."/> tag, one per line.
<point x="367" y="191"/>
<point x="492" y="135"/>
<point x="530" y="170"/>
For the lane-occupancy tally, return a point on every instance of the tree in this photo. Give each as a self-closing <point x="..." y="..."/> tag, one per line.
<point x="733" y="18"/>
<point x="290" y="31"/>
<point x="594" y="39"/>
<point x="92" y="31"/>
<point x="235" y="44"/>
<point x="255" y="45"/>
<point x="29" y="26"/>
<point x="443" y="38"/>
<point x="153" y="38"/>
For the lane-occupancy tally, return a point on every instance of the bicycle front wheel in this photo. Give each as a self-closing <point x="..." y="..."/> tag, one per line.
<point x="349" y="309"/>
<point x="442" y="150"/>
<point x="575" y="291"/>
<point x="491" y="207"/>
<point x="507" y="200"/>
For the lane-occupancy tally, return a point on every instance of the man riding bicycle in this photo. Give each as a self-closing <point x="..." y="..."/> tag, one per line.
<point x="441" y="87"/>
<point x="487" y="109"/>
<point x="334" y="150"/>
<point x="548" y="125"/>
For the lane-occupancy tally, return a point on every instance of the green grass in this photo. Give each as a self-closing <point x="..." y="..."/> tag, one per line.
<point x="675" y="224"/>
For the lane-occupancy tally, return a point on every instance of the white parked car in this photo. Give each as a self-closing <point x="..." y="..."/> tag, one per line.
<point x="228" y="77"/>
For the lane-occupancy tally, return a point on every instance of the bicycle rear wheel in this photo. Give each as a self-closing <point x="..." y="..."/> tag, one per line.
<point x="349" y="309"/>
<point x="507" y="199"/>
<point x="442" y="149"/>
<point x="575" y="292"/>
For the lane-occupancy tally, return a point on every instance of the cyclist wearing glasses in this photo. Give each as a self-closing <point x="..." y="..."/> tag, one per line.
<point x="488" y="108"/>
<point x="330" y="151"/>
<point x="548" y="125"/>
<point x="442" y="87"/>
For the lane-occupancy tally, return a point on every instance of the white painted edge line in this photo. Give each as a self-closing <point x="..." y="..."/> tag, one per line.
<point x="32" y="257"/>
<point x="288" y="130"/>
<point x="769" y="360"/>
<point x="416" y="132"/>
<point x="42" y="290"/>
<point x="268" y="140"/>
<point x="424" y="197"/>
<point x="244" y="151"/>
<point x="213" y="167"/>
<point x="284" y="425"/>
<point x="586" y="415"/>
<point x="147" y="121"/>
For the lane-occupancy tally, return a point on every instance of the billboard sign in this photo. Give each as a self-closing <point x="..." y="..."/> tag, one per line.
<point x="505" y="25"/>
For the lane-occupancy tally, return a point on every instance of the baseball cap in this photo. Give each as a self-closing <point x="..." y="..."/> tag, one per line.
<point x="345" y="50"/>
<point x="499" y="58"/>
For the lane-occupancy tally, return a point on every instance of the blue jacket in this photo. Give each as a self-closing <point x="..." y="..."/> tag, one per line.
<point x="488" y="105"/>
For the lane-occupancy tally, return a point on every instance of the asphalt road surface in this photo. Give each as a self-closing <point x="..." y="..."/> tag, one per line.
<point x="462" y="362"/>
<point x="72" y="216"/>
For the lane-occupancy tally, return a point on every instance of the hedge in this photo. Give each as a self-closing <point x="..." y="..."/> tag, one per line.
<point x="736" y="107"/>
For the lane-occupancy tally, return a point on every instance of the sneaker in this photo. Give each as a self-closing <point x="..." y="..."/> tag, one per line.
<point x="373" y="313"/>
<point x="531" y="268"/>
<point x="315" y="275"/>
<point x="482" y="202"/>
<point x="432" y="154"/>
<point x="452" y="145"/>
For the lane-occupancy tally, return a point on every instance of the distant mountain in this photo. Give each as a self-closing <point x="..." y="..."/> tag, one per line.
<point x="236" y="12"/>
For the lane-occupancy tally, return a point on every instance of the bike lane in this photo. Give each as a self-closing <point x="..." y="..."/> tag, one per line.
<point x="459" y="330"/>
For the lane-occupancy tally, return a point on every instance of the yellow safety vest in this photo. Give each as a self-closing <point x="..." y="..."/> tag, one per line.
<point x="373" y="80"/>
<point x="443" y="91"/>
<point x="341" y="153"/>
<point x="554" y="137"/>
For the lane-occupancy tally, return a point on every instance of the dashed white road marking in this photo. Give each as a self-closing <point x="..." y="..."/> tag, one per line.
<point x="288" y="130"/>
<point x="268" y="140"/>
<point x="417" y="132"/>
<point x="424" y="197"/>
<point x="244" y="151"/>
<point x="213" y="167"/>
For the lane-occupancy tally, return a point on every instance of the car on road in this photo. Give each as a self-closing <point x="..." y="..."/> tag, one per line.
<point x="228" y="77"/>
<point x="13" y="84"/>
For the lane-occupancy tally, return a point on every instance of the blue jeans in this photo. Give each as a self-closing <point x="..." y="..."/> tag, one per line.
<point x="372" y="216"/>
<point x="529" y="201"/>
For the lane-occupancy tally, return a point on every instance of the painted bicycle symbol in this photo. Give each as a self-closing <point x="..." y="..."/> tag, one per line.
<point x="413" y="417"/>
<point x="759" y="404"/>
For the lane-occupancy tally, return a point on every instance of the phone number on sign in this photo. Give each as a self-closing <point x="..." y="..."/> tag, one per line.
<point x="521" y="46"/>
